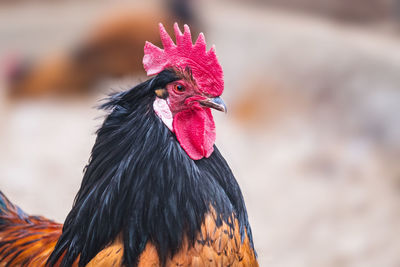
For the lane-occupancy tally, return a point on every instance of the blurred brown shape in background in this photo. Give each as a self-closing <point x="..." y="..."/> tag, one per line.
<point x="263" y="102"/>
<point x="113" y="48"/>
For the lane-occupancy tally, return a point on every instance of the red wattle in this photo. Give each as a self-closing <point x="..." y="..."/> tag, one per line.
<point x="195" y="130"/>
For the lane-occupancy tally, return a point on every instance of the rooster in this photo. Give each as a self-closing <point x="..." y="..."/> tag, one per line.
<point x="156" y="190"/>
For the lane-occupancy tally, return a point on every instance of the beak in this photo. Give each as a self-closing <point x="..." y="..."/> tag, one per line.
<point x="215" y="103"/>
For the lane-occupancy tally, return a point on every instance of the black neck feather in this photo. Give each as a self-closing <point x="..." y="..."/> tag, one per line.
<point x="141" y="183"/>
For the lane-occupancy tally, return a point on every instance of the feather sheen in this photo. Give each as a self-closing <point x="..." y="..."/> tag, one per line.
<point x="142" y="202"/>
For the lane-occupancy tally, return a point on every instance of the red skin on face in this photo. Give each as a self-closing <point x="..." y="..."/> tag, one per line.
<point x="193" y="124"/>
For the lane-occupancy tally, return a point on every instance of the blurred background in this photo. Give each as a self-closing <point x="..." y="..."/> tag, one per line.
<point x="312" y="132"/>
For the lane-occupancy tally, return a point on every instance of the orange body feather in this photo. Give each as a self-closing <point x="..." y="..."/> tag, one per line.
<point x="27" y="241"/>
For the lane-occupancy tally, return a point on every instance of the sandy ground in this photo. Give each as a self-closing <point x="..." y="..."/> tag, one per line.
<point x="312" y="135"/>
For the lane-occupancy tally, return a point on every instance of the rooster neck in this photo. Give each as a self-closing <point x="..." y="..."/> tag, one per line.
<point x="141" y="183"/>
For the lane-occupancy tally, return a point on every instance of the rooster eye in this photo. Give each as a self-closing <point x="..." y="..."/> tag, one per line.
<point x="179" y="88"/>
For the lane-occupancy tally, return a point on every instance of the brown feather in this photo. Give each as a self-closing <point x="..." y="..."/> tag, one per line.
<point x="29" y="241"/>
<point x="215" y="246"/>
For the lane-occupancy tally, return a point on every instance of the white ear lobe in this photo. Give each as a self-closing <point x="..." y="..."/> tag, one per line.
<point x="162" y="110"/>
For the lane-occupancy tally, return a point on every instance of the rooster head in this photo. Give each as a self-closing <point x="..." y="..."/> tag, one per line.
<point x="184" y="104"/>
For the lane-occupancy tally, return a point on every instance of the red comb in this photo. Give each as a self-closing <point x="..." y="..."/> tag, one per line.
<point x="204" y="64"/>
